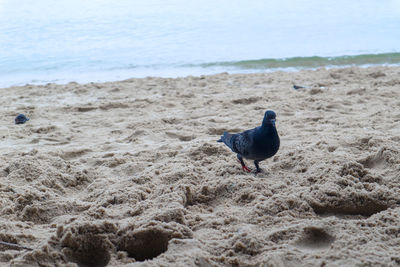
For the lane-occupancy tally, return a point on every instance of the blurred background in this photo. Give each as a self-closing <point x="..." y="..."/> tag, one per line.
<point x="102" y="40"/>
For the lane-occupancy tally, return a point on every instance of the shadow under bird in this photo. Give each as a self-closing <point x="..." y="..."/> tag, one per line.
<point x="256" y="144"/>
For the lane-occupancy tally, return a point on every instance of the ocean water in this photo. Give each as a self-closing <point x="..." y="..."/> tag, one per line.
<point x="100" y="40"/>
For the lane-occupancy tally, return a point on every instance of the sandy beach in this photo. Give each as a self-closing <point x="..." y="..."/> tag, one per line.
<point x="129" y="173"/>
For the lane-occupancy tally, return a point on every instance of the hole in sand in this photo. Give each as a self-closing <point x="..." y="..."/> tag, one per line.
<point x="91" y="252"/>
<point x="368" y="208"/>
<point x="315" y="237"/>
<point x="145" y="245"/>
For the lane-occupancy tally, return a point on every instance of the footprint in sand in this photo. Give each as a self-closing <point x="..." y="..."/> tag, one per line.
<point x="246" y="101"/>
<point x="72" y="154"/>
<point x="181" y="137"/>
<point x="315" y="238"/>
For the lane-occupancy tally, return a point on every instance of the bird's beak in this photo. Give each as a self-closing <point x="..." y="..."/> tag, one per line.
<point x="273" y="122"/>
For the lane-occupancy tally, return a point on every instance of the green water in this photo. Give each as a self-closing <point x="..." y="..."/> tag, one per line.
<point x="310" y="62"/>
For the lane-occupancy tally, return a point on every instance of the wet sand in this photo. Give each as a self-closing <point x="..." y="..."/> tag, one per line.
<point x="129" y="173"/>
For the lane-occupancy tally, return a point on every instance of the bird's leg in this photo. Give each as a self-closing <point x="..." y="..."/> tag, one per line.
<point x="257" y="167"/>
<point x="242" y="163"/>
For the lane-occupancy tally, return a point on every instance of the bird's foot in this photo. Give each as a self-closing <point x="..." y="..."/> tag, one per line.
<point x="258" y="170"/>
<point x="245" y="168"/>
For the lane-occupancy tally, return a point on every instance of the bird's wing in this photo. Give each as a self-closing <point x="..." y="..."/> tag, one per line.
<point x="242" y="142"/>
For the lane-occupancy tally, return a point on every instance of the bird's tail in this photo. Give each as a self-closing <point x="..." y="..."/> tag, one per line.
<point x="222" y="138"/>
<point x="227" y="139"/>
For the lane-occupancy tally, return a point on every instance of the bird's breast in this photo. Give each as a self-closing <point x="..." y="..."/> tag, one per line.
<point x="266" y="146"/>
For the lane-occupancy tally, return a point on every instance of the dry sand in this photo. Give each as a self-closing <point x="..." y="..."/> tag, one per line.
<point x="129" y="173"/>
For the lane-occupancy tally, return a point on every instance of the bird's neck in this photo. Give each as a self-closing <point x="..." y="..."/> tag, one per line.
<point x="268" y="128"/>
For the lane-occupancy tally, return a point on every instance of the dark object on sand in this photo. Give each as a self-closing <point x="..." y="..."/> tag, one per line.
<point x="13" y="246"/>
<point x="296" y="87"/>
<point x="256" y="144"/>
<point x="20" y="119"/>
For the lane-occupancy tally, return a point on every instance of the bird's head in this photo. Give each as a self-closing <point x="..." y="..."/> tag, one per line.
<point x="269" y="118"/>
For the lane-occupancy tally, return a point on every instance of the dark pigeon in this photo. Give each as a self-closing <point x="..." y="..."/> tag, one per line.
<point x="20" y="119"/>
<point x="256" y="144"/>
